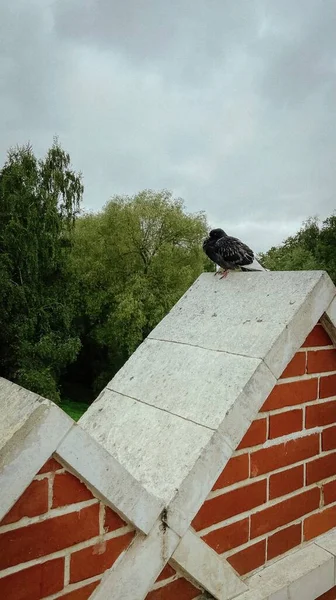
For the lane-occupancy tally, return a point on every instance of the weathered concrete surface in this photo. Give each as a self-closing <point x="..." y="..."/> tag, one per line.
<point x="134" y="573"/>
<point x="195" y="383"/>
<point x="109" y="480"/>
<point x="328" y="541"/>
<point x="329" y="320"/>
<point x="30" y="429"/>
<point x="175" y="412"/>
<point x="247" y="313"/>
<point x="207" y="568"/>
<point x="156" y="447"/>
<point x="306" y="574"/>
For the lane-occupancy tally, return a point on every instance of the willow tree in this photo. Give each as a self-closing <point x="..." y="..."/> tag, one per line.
<point x="134" y="261"/>
<point x="39" y="201"/>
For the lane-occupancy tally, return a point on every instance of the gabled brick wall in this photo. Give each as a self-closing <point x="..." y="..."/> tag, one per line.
<point x="279" y="488"/>
<point x="277" y="492"/>
<point x="58" y="539"/>
<point x="171" y="585"/>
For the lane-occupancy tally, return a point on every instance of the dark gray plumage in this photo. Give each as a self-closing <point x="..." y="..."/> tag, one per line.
<point x="226" y="251"/>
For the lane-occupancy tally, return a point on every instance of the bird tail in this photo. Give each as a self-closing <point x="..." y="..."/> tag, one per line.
<point x="254" y="266"/>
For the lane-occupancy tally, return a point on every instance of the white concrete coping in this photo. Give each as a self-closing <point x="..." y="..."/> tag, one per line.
<point x="134" y="573"/>
<point x="110" y="480"/>
<point x="174" y="414"/>
<point x="207" y="568"/>
<point x="327" y="541"/>
<point x="304" y="574"/>
<point x="248" y="314"/>
<point x="329" y="320"/>
<point x="31" y="428"/>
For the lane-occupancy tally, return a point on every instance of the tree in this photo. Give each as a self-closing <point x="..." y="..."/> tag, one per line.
<point x="135" y="259"/>
<point x="39" y="201"/>
<point x="311" y="248"/>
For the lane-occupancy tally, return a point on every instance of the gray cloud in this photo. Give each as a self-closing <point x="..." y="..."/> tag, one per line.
<point x="229" y="104"/>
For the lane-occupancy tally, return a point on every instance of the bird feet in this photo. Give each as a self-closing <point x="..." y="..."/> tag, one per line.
<point x="222" y="274"/>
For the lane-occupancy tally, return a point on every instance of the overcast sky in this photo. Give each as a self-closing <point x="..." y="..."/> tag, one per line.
<point x="231" y="104"/>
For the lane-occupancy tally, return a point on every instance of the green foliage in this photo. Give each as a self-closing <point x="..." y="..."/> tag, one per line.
<point x="313" y="247"/>
<point x="134" y="261"/>
<point x="80" y="293"/>
<point x="39" y="201"/>
<point x="74" y="409"/>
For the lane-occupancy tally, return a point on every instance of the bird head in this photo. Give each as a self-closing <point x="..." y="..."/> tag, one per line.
<point x="216" y="234"/>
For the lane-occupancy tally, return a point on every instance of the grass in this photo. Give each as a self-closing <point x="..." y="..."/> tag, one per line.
<point x="74" y="409"/>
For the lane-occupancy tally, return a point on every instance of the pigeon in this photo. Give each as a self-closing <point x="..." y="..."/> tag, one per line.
<point x="229" y="253"/>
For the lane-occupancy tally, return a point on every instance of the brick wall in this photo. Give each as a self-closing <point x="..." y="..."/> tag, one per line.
<point x="330" y="595"/>
<point x="279" y="488"/>
<point x="58" y="539"/>
<point x="277" y="492"/>
<point x="171" y="585"/>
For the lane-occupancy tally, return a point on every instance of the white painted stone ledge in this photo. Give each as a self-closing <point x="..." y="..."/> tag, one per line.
<point x="110" y="481"/>
<point x="33" y="428"/>
<point x="329" y="320"/>
<point x="304" y="574"/>
<point x="207" y="568"/>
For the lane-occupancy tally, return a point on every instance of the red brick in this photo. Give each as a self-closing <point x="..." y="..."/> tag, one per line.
<point x="319" y="523"/>
<point x="321" y="361"/>
<point x="236" y="469"/>
<point x="68" y="489"/>
<point x="329" y="595"/>
<point x="255" y="435"/>
<point x="284" y="423"/>
<point x="249" y="559"/>
<point x="321" y="468"/>
<point x="283" y="540"/>
<point x="82" y="594"/>
<point x="269" y="459"/>
<point x="329" y="438"/>
<point x="296" y="367"/>
<point x="33" y="502"/>
<point x="232" y="503"/>
<point x="226" y="538"/>
<point x="284" y="512"/>
<point x="48" y="536"/>
<point x="167" y="572"/>
<point x="34" y="583"/>
<point x="180" y="589"/>
<point x="317" y="337"/>
<point x="290" y="394"/>
<point x="323" y="413"/>
<point x="329" y="492"/>
<point x="50" y="466"/>
<point x="112" y="521"/>
<point x="327" y="386"/>
<point x="98" y="558"/>
<point x="286" y="482"/>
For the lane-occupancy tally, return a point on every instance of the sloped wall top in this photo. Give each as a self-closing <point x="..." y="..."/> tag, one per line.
<point x="175" y="412"/>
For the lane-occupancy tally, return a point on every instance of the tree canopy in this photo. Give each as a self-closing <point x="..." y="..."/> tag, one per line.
<point x="79" y="292"/>
<point x="312" y="247"/>
<point x="134" y="260"/>
<point x="39" y="201"/>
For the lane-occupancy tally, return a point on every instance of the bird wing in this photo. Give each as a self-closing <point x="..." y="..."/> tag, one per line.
<point x="254" y="266"/>
<point x="233" y="251"/>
